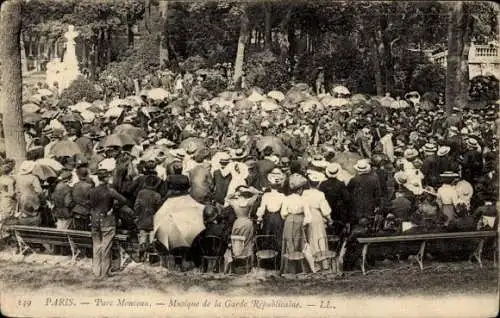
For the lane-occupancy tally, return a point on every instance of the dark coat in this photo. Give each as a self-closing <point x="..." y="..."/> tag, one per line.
<point x="401" y="207"/>
<point x="338" y="198"/>
<point x="366" y="190"/>
<point x="202" y="183"/>
<point x="431" y="171"/>
<point x="446" y="163"/>
<point x="472" y="165"/>
<point x="221" y="186"/>
<point x="146" y="205"/>
<point x="86" y="145"/>
<point x="63" y="201"/>
<point x="102" y="200"/>
<point x="81" y="197"/>
<point x="177" y="184"/>
<point x="455" y="143"/>
<point x="138" y="184"/>
<point x="263" y="168"/>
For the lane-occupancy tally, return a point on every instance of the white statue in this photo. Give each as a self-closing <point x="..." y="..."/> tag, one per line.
<point x="66" y="71"/>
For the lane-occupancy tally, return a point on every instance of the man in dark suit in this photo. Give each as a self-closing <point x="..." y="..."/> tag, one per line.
<point x="336" y="194"/>
<point x="430" y="165"/>
<point x="365" y="188"/>
<point x="103" y="200"/>
<point x="81" y="192"/>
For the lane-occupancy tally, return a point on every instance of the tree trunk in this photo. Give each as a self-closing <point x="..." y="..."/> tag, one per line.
<point x="108" y="46"/>
<point x="376" y="66"/>
<point x="163" y="6"/>
<point x="457" y="71"/>
<point x="12" y="90"/>
<point x="24" y="60"/>
<point x="242" y="41"/>
<point x="130" y="35"/>
<point x="147" y="15"/>
<point x="267" y="26"/>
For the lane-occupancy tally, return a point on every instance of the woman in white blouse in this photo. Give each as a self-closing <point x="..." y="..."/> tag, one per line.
<point x="296" y="214"/>
<point x="268" y="213"/>
<point x="320" y="214"/>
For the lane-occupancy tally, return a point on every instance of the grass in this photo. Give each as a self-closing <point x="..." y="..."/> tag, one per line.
<point x="397" y="279"/>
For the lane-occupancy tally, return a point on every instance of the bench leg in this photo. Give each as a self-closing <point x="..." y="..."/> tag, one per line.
<point x="363" y="258"/>
<point x="75" y="251"/>
<point x="340" y="258"/>
<point x="23" y="247"/>
<point x="420" y="255"/>
<point x="478" y="252"/>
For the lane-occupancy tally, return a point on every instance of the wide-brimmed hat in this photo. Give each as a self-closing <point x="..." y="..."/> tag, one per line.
<point x="315" y="176"/>
<point x="318" y="161"/>
<point x="362" y="166"/>
<point x="332" y="170"/>
<point x="108" y="164"/>
<point x="410" y="153"/>
<point x="237" y="154"/>
<point x="165" y="142"/>
<point x="449" y="175"/>
<point x="65" y="175"/>
<point x="443" y="151"/>
<point x="224" y="159"/>
<point x="400" y="177"/>
<point x="472" y="143"/>
<point x="178" y="153"/>
<point x="26" y="167"/>
<point x="274" y="159"/>
<point x="453" y="129"/>
<point x="429" y="147"/>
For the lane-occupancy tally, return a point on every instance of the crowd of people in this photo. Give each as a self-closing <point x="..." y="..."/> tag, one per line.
<point x="288" y="165"/>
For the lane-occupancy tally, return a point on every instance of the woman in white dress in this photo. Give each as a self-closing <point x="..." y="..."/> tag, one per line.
<point x="320" y="214"/>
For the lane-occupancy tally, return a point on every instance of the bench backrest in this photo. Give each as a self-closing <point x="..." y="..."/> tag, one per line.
<point x="427" y="236"/>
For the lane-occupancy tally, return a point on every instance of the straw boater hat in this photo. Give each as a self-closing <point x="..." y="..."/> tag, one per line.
<point x="362" y="166"/>
<point x="429" y="148"/>
<point x="443" y="151"/>
<point x="332" y="170"/>
<point x="178" y="153"/>
<point x="447" y="175"/>
<point x="26" y="167"/>
<point x="318" y="161"/>
<point x="410" y="153"/>
<point x="453" y="129"/>
<point x="315" y="176"/>
<point x="224" y="159"/>
<point x="400" y="177"/>
<point x="237" y="154"/>
<point x="472" y="143"/>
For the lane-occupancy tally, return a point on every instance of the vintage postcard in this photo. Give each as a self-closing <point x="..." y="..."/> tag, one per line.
<point x="271" y="158"/>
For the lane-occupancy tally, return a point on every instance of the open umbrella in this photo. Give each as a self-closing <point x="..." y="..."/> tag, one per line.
<point x="255" y="97"/>
<point x="114" y="112"/>
<point x="155" y="153"/>
<point x="71" y="118"/>
<point x="37" y="98"/>
<point x="118" y="140"/>
<point x="157" y="94"/>
<point x="136" y="100"/>
<point x="295" y="97"/>
<point x="330" y="101"/>
<point x="99" y="104"/>
<point x="269" y="105"/>
<point x="387" y="101"/>
<point x="341" y="90"/>
<point x="50" y="114"/>
<point x="31" y="118"/>
<point x="127" y="129"/>
<point x="275" y="143"/>
<point x="45" y="92"/>
<point x="277" y="95"/>
<point x="178" y="222"/>
<point x="30" y="108"/>
<point x="245" y="104"/>
<point x="65" y="148"/>
<point x="192" y="143"/>
<point x="87" y="116"/>
<point x="222" y="102"/>
<point x="95" y="110"/>
<point x="120" y="102"/>
<point x="53" y="164"/>
<point x="310" y="104"/>
<point x="44" y="172"/>
<point x="347" y="160"/>
<point x="398" y="104"/>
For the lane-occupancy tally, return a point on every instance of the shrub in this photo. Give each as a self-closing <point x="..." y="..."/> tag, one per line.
<point x="80" y="89"/>
<point x="484" y="88"/>
<point x="266" y="70"/>
<point x="428" y="78"/>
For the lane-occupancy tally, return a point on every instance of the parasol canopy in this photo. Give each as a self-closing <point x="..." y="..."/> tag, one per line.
<point x="65" y="148"/>
<point x="178" y="222"/>
<point x="269" y="105"/>
<point x="45" y="92"/>
<point x="30" y="108"/>
<point x="276" y="95"/>
<point x="310" y="104"/>
<point x="387" y="101"/>
<point x="31" y="118"/>
<point x="275" y="143"/>
<point x="330" y="101"/>
<point x="157" y="94"/>
<point x="37" y="98"/>
<point x="127" y="129"/>
<point x="99" y="104"/>
<point x="118" y="140"/>
<point x="194" y="143"/>
<point x="135" y="100"/>
<point x="71" y="118"/>
<point x="114" y="112"/>
<point x="398" y="104"/>
<point x="154" y="153"/>
<point x="53" y="164"/>
<point x="120" y="102"/>
<point x="255" y="97"/>
<point x="50" y="114"/>
<point x="341" y="90"/>
<point x="87" y="116"/>
<point x="44" y="172"/>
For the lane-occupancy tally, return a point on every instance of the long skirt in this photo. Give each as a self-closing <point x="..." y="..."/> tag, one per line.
<point x="293" y="233"/>
<point x="102" y="242"/>
<point x="272" y="224"/>
<point x="316" y="234"/>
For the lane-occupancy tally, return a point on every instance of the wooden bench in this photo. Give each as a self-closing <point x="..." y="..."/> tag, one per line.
<point x="57" y="237"/>
<point x="423" y="238"/>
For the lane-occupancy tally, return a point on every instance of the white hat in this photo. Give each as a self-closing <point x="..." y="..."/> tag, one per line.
<point x="108" y="164"/>
<point x="443" y="151"/>
<point x="332" y="170"/>
<point x="26" y="167"/>
<point x="471" y="142"/>
<point x="410" y="153"/>
<point x="178" y="153"/>
<point x="315" y="176"/>
<point x="166" y="142"/>
<point x="274" y="159"/>
<point x="362" y="166"/>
